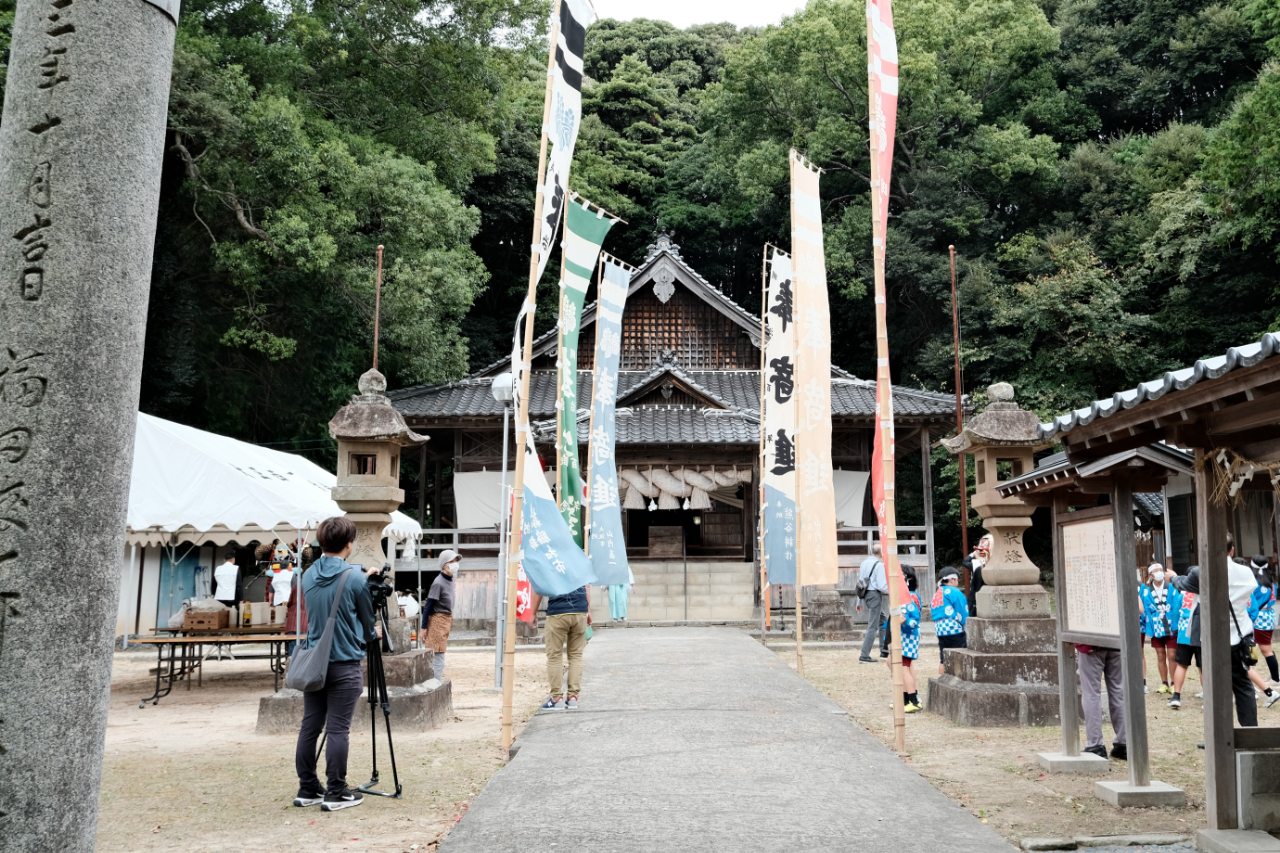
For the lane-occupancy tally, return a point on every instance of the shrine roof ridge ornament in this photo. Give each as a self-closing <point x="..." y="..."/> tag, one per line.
<point x="1173" y="380"/>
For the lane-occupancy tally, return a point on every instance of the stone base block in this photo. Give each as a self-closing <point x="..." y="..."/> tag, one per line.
<point x="1004" y="669"/>
<point x="407" y="669"/>
<point x="968" y="704"/>
<point x="1035" y="634"/>
<point x="413" y="709"/>
<point x="1124" y="795"/>
<point x="1258" y="789"/>
<point x="399" y="630"/>
<point x="1057" y="762"/>
<point x="825" y="613"/>
<point x="1023" y="601"/>
<point x="1236" y="841"/>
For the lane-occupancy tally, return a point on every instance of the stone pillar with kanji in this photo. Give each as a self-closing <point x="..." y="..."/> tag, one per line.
<point x="1008" y="675"/>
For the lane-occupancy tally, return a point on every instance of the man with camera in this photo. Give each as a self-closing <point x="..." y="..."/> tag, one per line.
<point x="331" y="708"/>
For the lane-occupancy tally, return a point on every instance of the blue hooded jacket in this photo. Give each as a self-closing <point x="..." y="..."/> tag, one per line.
<point x="354" y="626"/>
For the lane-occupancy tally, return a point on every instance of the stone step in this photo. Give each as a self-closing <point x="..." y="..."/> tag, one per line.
<point x="1006" y="668"/>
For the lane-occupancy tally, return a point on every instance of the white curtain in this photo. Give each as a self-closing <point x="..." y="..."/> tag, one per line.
<point x="851" y="490"/>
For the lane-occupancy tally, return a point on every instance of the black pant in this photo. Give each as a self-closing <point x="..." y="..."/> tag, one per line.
<point x="1242" y="687"/>
<point x="329" y="710"/>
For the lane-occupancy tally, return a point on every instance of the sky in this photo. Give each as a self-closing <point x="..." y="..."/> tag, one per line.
<point x="684" y="13"/>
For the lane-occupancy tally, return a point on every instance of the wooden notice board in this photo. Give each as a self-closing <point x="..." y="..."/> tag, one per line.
<point x="1091" y="602"/>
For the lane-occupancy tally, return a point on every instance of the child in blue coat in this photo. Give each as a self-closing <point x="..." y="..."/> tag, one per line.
<point x="1161" y="607"/>
<point x="950" y="610"/>
<point x="910" y="642"/>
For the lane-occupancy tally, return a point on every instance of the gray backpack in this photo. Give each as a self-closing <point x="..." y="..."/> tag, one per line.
<point x="308" y="668"/>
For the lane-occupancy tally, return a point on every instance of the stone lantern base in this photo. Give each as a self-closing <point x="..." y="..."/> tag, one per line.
<point x="1008" y="676"/>
<point x="419" y="702"/>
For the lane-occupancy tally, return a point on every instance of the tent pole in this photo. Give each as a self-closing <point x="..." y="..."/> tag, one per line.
<point x="500" y="629"/>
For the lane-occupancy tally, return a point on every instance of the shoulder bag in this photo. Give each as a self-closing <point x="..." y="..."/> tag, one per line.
<point x="308" y="668"/>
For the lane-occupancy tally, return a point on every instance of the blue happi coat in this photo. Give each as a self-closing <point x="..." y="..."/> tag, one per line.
<point x="1262" y="608"/>
<point x="1159" y="619"/>
<point x="950" y="610"/>
<point x="911" y="627"/>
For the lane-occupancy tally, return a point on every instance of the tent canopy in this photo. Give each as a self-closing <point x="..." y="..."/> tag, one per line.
<point x="206" y="487"/>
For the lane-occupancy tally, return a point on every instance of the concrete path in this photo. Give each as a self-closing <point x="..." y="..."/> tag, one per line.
<point x="702" y="739"/>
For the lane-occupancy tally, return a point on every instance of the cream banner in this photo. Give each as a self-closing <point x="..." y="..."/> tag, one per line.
<point x="815" y="497"/>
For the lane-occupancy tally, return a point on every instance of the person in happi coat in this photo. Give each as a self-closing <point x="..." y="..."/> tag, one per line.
<point x="439" y="610"/>
<point x="1261" y="613"/>
<point x="1264" y="622"/>
<point x="910" y="621"/>
<point x="950" y="610"/>
<point x="1160" y="605"/>
<point x="1188" y="648"/>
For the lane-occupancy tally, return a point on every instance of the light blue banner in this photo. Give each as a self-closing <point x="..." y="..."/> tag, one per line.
<point x="780" y="536"/>
<point x="607" y="544"/>
<point x="552" y="560"/>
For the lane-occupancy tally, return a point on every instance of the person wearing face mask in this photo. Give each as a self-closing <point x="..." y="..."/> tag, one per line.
<point x="1188" y="648"/>
<point x="1159" y="600"/>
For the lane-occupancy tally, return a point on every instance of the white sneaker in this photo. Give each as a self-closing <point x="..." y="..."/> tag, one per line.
<point x="1200" y="695"/>
<point x="1175" y="703"/>
<point x="1272" y="699"/>
<point x="1146" y="689"/>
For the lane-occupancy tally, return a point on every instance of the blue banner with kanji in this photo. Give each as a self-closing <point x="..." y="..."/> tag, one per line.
<point x="607" y="544"/>
<point x="552" y="560"/>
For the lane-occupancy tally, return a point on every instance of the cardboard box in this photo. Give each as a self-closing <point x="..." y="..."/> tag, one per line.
<point x="213" y="621"/>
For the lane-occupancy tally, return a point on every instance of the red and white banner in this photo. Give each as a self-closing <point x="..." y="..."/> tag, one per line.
<point x="524" y="597"/>
<point x="882" y="65"/>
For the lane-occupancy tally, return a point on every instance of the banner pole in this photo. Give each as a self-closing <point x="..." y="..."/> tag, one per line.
<point x="764" y="354"/>
<point x="964" y="477"/>
<point x="884" y="412"/>
<point x="522" y="416"/>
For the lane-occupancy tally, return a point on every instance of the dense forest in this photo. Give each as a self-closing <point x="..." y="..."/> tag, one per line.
<point x="1108" y="170"/>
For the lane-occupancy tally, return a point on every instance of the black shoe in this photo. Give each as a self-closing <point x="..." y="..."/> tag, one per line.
<point x="865" y="660"/>
<point x="1120" y="752"/>
<point x="308" y="798"/>
<point x="1099" y="750"/>
<point x="346" y="799"/>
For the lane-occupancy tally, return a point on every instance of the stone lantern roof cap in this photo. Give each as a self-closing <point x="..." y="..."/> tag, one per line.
<point x="371" y="417"/>
<point x="1003" y="423"/>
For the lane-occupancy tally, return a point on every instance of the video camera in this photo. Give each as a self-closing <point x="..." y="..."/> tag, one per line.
<point x="380" y="588"/>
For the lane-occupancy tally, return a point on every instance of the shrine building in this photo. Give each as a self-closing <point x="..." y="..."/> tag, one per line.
<point x="688" y="398"/>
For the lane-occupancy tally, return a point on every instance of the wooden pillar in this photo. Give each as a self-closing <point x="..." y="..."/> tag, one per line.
<point x="1215" y="639"/>
<point x="927" y="585"/>
<point x="437" y="520"/>
<point x="422" y="486"/>
<point x="1135" y="704"/>
<point x="1068" y="678"/>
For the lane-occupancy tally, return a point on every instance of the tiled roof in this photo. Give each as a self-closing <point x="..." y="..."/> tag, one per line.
<point x="1150" y="504"/>
<point x="737" y="388"/>
<point x="669" y="425"/>
<point x="1174" y="380"/>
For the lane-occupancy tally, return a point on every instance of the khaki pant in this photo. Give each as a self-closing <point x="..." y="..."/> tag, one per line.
<point x="565" y="630"/>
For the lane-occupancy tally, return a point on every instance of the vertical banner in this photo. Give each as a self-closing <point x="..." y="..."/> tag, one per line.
<point x="583" y="234"/>
<point x="882" y="47"/>
<point x="553" y="562"/>
<point x="608" y="547"/>
<point x="565" y="117"/>
<point x="778" y="416"/>
<point x="524" y="597"/>
<point x="815" y="495"/>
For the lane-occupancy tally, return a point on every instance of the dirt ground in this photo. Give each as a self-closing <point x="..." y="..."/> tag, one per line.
<point x="190" y="774"/>
<point x="993" y="772"/>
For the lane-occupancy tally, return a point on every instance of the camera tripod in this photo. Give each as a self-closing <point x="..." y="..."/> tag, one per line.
<point x="378" y="695"/>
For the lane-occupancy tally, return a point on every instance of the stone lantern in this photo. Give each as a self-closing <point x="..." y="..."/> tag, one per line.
<point x="1002" y="441"/>
<point x="370" y="435"/>
<point x="1008" y="675"/>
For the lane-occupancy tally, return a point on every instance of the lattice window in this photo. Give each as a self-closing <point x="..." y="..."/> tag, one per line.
<point x="702" y="337"/>
<point x="482" y="443"/>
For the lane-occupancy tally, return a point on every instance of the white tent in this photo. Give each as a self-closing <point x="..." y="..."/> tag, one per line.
<point x="209" y="488"/>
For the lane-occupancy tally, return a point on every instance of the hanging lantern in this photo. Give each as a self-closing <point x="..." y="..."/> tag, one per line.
<point x="686" y="503"/>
